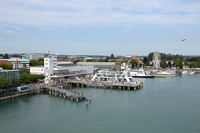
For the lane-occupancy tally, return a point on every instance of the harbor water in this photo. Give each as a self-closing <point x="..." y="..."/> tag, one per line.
<point x="164" y="105"/>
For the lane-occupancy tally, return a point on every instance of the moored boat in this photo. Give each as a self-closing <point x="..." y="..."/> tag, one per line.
<point x="165" y="74"/>
<point x="141" y="73"/>
<point x="184" y="72"/>
<point x="191" y="72"/>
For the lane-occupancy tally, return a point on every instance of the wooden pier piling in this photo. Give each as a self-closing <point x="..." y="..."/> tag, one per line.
<point x="121" y="86"/>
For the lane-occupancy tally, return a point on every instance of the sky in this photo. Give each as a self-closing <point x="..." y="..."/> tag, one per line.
<point x="100" y="27"/>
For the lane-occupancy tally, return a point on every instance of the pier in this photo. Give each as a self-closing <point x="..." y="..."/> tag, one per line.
<point x="109" y="85"/>
<point x="72" y="95"/>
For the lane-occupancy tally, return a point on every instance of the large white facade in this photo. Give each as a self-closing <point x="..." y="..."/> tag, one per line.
<point x="37" y="70"/>
<point x="101" y="65"/>
<point x="52" y="68"/>
<point x="50" y="62"/>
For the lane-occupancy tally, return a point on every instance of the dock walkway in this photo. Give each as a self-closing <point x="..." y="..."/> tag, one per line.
<point x="73" y="95"/>
<point x="110" y="85"/>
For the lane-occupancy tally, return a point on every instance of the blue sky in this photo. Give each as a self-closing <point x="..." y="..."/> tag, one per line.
<point x="100" y="27"/>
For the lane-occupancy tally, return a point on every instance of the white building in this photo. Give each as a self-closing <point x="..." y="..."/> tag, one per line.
<point x="50" y="62"/>
<point x="52" y="68"/>
<point x="37" y="70"/>
<point x="105" y="66"/>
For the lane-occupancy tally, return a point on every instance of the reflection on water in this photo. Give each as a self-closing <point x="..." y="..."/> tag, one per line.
<point x="167" y="105"/>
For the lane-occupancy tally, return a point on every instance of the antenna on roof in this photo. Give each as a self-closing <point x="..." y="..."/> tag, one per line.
<point x="48" y="51"/>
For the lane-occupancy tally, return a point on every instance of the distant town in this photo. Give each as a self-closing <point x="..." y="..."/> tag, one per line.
<point x="19" y="69"/>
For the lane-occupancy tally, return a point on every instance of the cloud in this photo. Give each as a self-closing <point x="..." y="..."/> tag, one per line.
<point x="94" y="13"/>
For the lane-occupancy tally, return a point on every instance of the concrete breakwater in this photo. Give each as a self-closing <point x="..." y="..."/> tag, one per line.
<point x="12" y="95"/>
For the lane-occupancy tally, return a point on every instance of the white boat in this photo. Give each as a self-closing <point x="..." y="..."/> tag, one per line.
<point x="191" y="72"/>
<point x="185" y="72"/>
<point x="112" y="77"/>
<point x="140" y="73"/>
<point x="167" y="73"/>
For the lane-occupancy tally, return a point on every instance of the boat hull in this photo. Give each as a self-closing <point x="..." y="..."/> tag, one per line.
<point x="148" y="76"/>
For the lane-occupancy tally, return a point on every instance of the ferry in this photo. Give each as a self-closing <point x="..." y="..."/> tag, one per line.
<point x="140" y="73"/>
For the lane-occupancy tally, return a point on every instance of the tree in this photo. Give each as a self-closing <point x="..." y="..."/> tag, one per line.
<point x="145" y="61"/>
<point x="24" y="65"/>
<point x="186" y="63"/>
<point x="5" y="56"/>
<point x="163" y="63"/>
<point x="27" y="78"/>
<point x="112" y="56"/>
<point x="134" y="63"/>
<point x="15" y="81"/>
<point x="24" y="70"/>
<point x="193" y="64"/>
<point x="33" y="63"/>
<point x="163" y="56"/>
<point x="150" y="56"/>
<point x="91" y="60"/>
<point x="4" y="82"/>
<point x="169" y="57"/>
<point x="6" y="66"/>
<point x="179" y="63"/>
<point x="40" y="62"/>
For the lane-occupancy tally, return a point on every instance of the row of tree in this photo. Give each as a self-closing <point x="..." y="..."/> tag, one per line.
<point x="4" y="56"/>
<point x="25" y="78"/>
<point x="39" y="62"/>
<point x="169" y="60"/>
<point x="6" y="66"/>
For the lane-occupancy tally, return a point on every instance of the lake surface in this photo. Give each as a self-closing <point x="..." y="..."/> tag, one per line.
<point x="164" y="105"/>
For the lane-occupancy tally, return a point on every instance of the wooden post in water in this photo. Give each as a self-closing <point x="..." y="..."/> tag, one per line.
<point x="89" y="96"/>
<point x="87" y="102"/>
<point x="61" y="94"/>
<point x="77" y="98"/>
